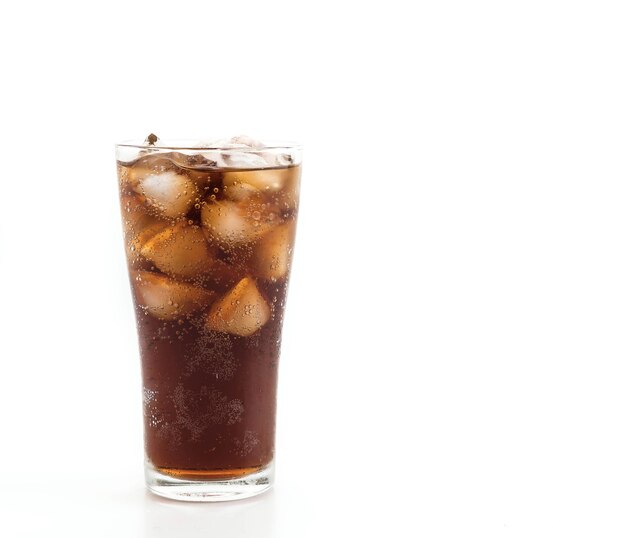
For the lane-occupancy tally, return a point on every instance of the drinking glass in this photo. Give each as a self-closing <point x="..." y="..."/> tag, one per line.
<point x="209" y="234"/>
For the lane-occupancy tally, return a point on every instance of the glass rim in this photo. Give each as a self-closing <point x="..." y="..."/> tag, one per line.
<point x="197" y="145"/>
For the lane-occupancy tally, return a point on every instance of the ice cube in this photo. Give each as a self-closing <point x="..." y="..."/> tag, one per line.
<point x="232" y="224"/>
<point x="167" y="299"/>
<point x="139" y="226"/>
<point x="127" y="155"/>
<point x="180" y="250"/>
<point x="238" y="152"/>
<point x="284" y="183"/>
<point x="246" y="140"/>
<point x="134" y="214"/>
<point x="237" y="190"/>
<point x="284" y="159"/>
<point x="267" y="180"/>
<point x="270" y="156"/>
<point x="237" y="158"/>
<point x="148" y="165"/>
<point x="242" y="311"/>
<point x="272" y="254"/>
<point x="243" y="158"/>
<point x="193" y="165"/>
<point x="141" y="237"/>
<point x="189" y="160"/>
<point x="170" y="193"/>
<point x="290" y="191"/>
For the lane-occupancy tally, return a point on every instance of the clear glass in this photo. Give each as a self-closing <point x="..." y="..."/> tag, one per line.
<point x="209" y="235"/>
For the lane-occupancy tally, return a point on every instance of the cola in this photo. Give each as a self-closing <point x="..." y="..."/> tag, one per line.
<point x="209" y="237"/>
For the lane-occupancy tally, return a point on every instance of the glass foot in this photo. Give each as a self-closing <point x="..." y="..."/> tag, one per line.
<point x="197" y="488"/>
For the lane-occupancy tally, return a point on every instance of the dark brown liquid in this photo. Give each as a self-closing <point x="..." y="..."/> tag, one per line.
<point x="209" y="374"/>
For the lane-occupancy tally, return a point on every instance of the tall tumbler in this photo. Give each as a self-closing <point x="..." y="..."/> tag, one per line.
<point x="209" y="235"/>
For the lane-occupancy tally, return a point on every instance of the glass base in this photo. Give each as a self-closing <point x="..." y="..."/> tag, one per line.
<point x="205" y="490"/>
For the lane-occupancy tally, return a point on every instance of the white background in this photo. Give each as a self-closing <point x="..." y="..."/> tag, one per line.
<point x="454" y="353"/>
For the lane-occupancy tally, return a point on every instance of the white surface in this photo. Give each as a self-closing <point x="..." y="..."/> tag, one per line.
<point x="454" y="353"/>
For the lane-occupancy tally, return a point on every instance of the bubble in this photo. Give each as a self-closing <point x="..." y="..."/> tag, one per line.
<point x="213" y="354"/>
<point x="245" y="445"/>
<point x="197" y="409"/>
